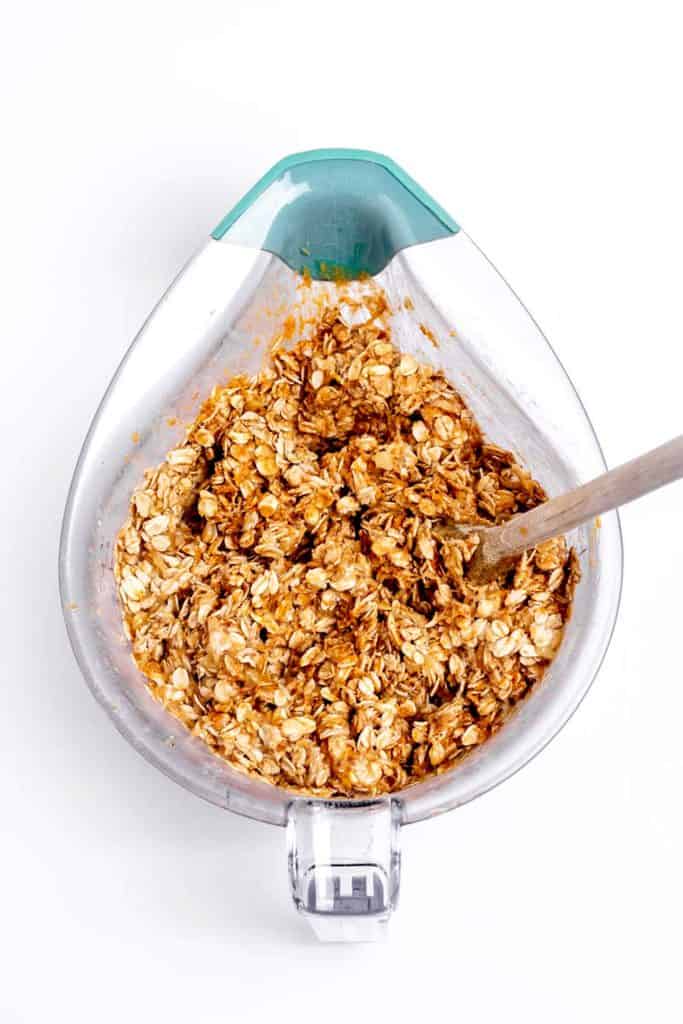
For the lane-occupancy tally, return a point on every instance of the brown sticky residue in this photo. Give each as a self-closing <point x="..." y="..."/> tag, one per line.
<point x="429" y="334"/>
<point x="171" y="421"/>
<point x="334" y="272"/>
<point x="408" y="303"/>
<point x="135" y="437"/>
<point x="598" y="522"/>
<point x="71" y="606"/>
<point x="288" y="327"/>
<point x="305" y="281"/>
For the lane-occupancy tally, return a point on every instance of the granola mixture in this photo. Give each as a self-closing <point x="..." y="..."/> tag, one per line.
<point x="284" y="589"/>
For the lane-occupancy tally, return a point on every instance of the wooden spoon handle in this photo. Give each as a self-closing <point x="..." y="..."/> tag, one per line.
<point x="559" y="515"/>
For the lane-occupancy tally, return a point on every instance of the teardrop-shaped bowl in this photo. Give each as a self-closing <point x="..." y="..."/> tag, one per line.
<point x="450" y="308"/>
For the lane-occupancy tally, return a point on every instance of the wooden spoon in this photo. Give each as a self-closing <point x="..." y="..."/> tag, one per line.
<point x="500" y="545"/>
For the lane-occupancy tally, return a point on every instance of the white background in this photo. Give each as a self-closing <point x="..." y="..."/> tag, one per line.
<point x="552" y="132"/>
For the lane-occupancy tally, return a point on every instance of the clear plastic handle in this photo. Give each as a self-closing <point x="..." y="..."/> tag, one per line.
<point x="344" y="866"/>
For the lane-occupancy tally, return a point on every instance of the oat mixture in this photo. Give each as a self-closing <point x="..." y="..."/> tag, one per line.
<point x="284" y="589"/>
